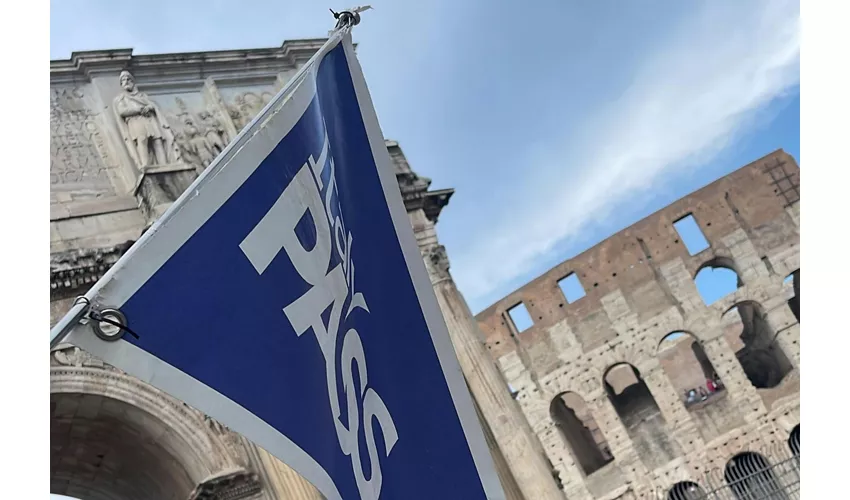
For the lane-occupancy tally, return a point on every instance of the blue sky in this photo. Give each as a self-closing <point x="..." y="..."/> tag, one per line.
<point x="557" y="122"/>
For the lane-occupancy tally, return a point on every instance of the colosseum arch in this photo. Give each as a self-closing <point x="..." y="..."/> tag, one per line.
<point x="794" y="440"/>
<point x="579" y="429"/>
<point x="685" y="490"/>
<point x="754" y="343"/>
<point x="750" y="475"/>
<point x="114" y="437"/>
<point x="640" y="415"/>
<point x="697" y="384"/>
<point x="716" y="279"/>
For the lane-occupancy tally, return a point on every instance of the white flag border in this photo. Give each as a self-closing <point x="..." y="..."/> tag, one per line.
<point x="254" y="144"/>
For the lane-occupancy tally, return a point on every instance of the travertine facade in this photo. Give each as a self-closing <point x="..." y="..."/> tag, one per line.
<point x="602" y="392"/>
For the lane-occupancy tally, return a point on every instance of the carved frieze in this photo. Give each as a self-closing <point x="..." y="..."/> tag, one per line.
<point x="200" y="136"/>
<point x="246" y="105"/>
<point x="78" y="155"/>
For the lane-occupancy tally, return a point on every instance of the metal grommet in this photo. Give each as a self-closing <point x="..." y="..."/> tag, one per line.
<point x="106" y="324"/>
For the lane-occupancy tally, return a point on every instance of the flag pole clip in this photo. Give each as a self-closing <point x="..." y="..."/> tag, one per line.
<point x="110" y="324"/>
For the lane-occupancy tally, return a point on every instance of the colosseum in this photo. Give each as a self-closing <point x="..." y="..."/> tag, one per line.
<point x="664" y="361"/>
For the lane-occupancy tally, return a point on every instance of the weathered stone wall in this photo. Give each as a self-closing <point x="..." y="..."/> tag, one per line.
<point x="639" y="286"/>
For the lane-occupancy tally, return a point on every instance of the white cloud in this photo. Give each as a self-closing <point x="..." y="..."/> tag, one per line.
<point x="686" y="102"/>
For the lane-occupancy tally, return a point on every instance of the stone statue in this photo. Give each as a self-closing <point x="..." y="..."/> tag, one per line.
<point x="213" y="131"/>
<point x="143" y="126"/>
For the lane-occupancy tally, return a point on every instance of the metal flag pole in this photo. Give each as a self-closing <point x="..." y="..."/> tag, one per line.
<point x="115" y="323"/>
<point x="79" y="311"/>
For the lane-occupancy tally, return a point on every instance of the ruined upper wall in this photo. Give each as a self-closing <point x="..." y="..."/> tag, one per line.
<point x="748" y="214"/>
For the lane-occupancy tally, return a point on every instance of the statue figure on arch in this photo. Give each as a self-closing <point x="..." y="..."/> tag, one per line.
<point x="147" y="135"/>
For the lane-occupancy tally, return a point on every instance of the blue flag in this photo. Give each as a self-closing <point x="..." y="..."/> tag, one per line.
<point x="284" y="295"/>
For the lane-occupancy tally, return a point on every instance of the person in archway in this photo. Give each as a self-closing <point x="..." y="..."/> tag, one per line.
<point x="710" y="386"/>
<point x="702" y="394"/>
<point x="691" y="396"/>
<point x="718" y="384"/>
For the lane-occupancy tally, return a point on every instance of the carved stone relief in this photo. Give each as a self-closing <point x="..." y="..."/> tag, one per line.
<point x="78" y="156"/>
<point x="245" y="106"/>
<point x="74" y="356"/>
<point x="200" y="136"/>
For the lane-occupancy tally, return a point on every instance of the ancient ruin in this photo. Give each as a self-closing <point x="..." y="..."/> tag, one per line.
<point x="641" y="380"/>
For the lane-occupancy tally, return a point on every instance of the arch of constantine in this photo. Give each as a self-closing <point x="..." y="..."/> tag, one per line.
<point x="585" y="403"/>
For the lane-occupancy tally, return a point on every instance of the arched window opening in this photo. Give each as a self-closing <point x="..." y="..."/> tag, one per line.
<point x="685" y="490"/>
<point x="794" y="302"/>
<point x="755" y="345"/>
<point x="688" y="368"/>
<point x="794" y="440"/>
<point x="640" y="414"/>
<point x="578" y="427"/>
<point x="716" y="279"/>
<point x="750" y="476"/>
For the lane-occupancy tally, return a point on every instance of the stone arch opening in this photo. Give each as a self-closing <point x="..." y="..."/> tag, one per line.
<point x="576" y="424"/>
<point x="103" y="448"/>
<point x="697" y="384"/>
<point x="794" y="440"/>
<point x="685" y="490"/>
<point x="749" y="475"/>
<point x="114" y="437"/>
<point x="716" y="279"/>
<point x="687" y="366"/>
<point x="794" y="302"/>
<point x="640" y="415"/>
<point x="754" y="343"/>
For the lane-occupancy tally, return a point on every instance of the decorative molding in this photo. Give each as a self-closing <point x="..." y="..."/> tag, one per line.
<point x="231" y="485"/>
<point x="188" y="66"/>
<point x="74" y="269"/>
<point x="98" y="206"/>
<point x="414" y="188"/>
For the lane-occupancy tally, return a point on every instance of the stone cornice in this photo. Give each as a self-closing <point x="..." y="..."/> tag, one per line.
<point x="82" y="66"/>
<point x="75" y="270"/>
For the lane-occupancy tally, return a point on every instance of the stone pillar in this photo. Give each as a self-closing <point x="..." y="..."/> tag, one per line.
<point x="619" y="441"/>
<point x="738" y="386"/>
<point x="680" y="425"/>
<point x="509" y="428"/>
